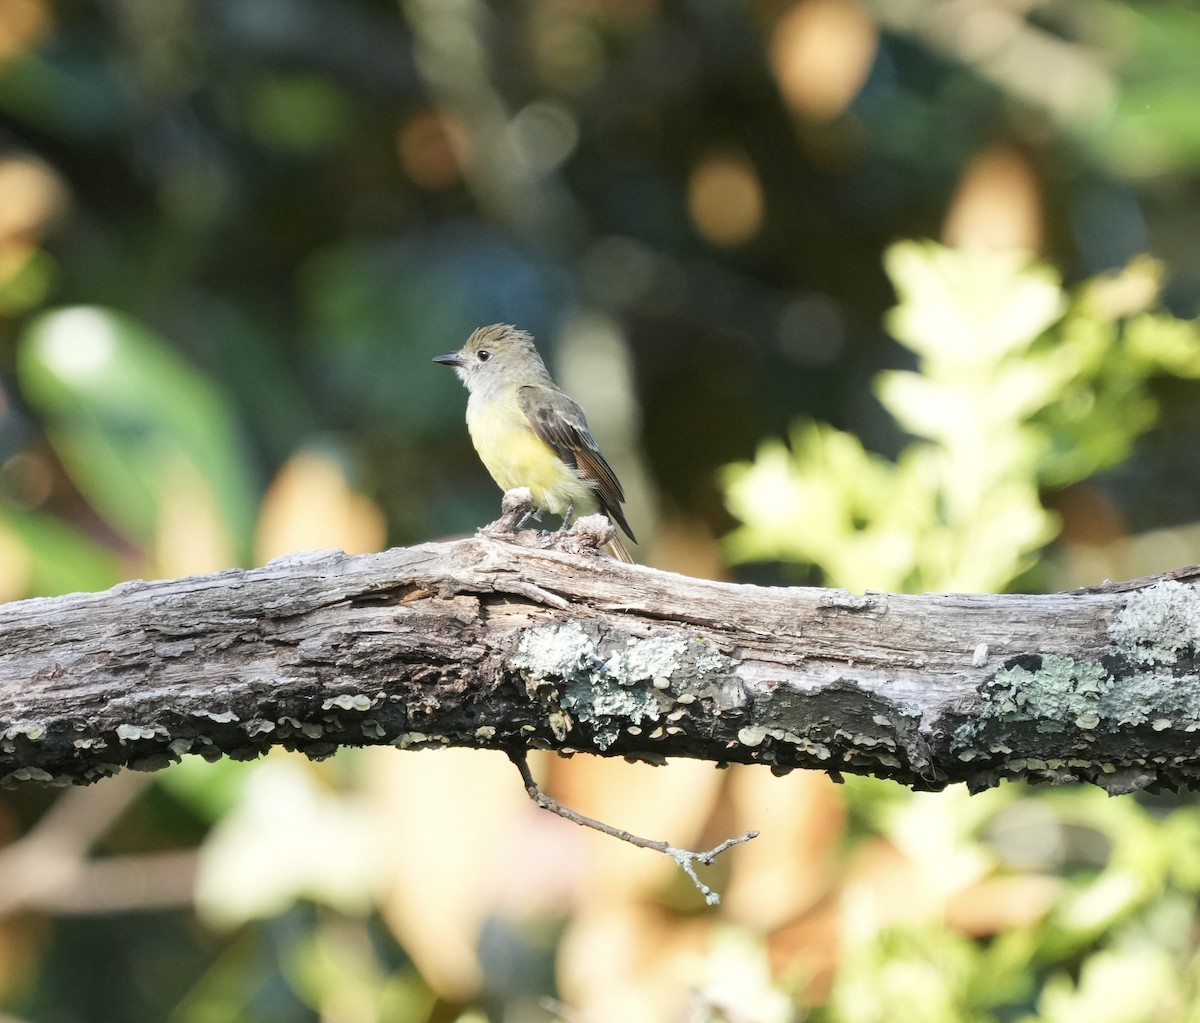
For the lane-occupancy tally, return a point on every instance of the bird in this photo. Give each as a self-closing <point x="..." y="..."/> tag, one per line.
<point x="529" y="432"/>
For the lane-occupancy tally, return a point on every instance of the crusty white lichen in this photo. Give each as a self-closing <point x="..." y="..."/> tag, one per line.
<point x="1158" y="624"/>
<point x="646" y="661"/>
<point x="614" y="685"/>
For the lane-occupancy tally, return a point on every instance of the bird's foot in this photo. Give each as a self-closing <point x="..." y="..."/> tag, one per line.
<point x="588" y="534"/>
<point x="567" y="516"/>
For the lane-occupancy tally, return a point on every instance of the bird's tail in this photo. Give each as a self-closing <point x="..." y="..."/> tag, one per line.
<point x="618" y="551"/>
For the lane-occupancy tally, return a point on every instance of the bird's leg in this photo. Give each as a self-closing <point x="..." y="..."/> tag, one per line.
<point x="533" y="513"/>
<point x="567" y="516"/>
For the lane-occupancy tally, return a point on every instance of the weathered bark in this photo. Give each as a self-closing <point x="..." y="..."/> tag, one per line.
<point x="492" y="643"/>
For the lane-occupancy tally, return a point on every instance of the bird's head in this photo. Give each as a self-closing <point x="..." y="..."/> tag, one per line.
<point x="496" y="357"/>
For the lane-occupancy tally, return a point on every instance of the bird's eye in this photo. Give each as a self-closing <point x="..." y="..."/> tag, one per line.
<point x="483" y="355"/>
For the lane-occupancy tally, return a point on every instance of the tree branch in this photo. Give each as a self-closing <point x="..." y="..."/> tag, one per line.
<point x="497" y="643"/>
<point x="686" y="859"/>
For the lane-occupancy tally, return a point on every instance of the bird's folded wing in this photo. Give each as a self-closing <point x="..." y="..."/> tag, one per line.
<point x="560" y="424"/>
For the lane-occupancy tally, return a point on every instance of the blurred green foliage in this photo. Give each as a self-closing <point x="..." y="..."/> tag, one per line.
<point x="1019" y="386"/>
<point x="127" y="418"/>
<point x="1113" y="944"/>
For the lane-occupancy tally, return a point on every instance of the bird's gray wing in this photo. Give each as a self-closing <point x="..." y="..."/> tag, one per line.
<point x="560" y="424"/>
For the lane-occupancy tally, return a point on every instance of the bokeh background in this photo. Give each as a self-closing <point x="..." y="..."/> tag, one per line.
<point x="883" y="294"/>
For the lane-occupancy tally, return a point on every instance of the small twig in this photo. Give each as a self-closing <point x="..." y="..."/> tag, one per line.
<point x="49" y="869"/>
<point x="53" y="855"/>
<point x="684" y="857"/>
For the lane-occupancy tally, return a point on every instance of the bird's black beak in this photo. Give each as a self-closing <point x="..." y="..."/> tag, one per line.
<point x="454" y="359"/>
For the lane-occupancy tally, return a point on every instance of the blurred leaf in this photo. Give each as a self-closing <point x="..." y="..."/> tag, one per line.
<point x="26" y="276"/>
<point x="1136" y="983"/>
<point x="299" y="112"/>
<point x="60" y="558"/>
<point x="120" y="407"/>
<point x="736" y="982"/>
<point x="338" y="972"/>
<point x="190" y="537"/>
<point x="910" y="975"/>
<point x="477" y="808"/>
<point x="243" y="982"/>
<point x="69" y="96"/>
<point x="210" y="789"/>
<point x="310" y="505"/>
<point x="823" y="498"/>
<point x="1163" y="344"/>
<point x="969" y="308"/>
<point x="276" y="846"/>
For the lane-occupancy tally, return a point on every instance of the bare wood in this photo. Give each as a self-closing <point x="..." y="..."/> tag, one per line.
<point x="498" y="643"/>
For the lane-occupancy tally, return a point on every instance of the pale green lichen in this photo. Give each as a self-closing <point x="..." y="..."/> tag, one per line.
<point x="1057" y="694"/>
<point x="1059" y="691"/>
<point x="225" y="717"/>
<point x="420" y="740"/>
<point x="348" y="701"/>
<point x="131" y="733"/>
<point x="24" y="774"/>
<point x="752" y="735"/>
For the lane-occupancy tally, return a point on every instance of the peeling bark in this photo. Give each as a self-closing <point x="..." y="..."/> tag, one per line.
<point x="498" y="643"/>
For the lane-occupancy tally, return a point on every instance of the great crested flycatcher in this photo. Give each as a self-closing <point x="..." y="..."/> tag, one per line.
<point x="529" y="432"/>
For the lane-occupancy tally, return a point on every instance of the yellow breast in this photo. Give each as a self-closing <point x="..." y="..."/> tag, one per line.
<point x="516" y="457"/>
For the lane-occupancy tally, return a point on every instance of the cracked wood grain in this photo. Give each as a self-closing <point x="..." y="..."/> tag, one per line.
<point x="499" y="643"/>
